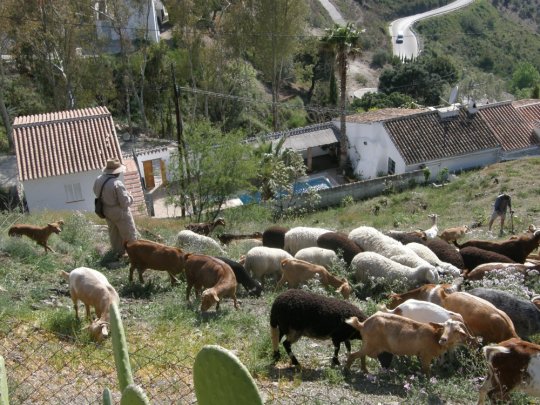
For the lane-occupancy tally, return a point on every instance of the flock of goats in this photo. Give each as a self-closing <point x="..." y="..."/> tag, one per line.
<point x="426" y="321"/>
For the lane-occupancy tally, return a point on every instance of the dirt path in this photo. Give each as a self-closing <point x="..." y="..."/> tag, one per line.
<point x="360" y="77"/>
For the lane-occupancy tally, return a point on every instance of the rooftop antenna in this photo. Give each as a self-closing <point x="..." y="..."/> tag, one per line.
<point x="453" y="96"/>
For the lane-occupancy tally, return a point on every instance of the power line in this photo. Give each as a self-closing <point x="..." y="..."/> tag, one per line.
<point x="226" y="33"/>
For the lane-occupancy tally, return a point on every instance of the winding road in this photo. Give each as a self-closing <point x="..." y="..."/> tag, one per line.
<point x="408" y="48"/>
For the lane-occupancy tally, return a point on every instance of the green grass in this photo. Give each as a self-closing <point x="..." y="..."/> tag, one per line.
<point x="164" y="330"/>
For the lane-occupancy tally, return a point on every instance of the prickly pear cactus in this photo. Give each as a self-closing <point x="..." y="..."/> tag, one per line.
<point x="121" y="356"/>
<point x="134" y="395"/>
<point x="107" y="397"/>
<point x="221" y="379"/>
<point x="4" y="398"/>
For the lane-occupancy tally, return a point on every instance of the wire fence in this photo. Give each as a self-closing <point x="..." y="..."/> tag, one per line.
<point x="49" y="368"/>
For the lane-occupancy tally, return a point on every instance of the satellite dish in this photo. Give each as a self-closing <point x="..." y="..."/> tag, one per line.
<point x="453" y="95"/>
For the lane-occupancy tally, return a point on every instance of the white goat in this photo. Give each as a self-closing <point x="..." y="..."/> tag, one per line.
<point x="432" y="232"/>
<point x="93" y="289"/>
<point x="423" y="311"/>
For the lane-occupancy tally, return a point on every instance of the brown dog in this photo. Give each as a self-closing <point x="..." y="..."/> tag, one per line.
<point x="39" y="234"/>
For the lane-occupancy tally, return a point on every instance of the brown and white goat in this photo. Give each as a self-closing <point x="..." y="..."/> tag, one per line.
<point x="205" y="228"/>
<point x="451" y="234"/>
<point x="296" y="271"/>
<point x="94" y="290"/>
<point x="512" y="365"/>
<point x="145" y="254"/>
<point x="40" y="234"/>
<point x="384" y="332"/>
<point x="423" y="311"/>
<point x="516" y="249"/>
<point x="214" y="275"/>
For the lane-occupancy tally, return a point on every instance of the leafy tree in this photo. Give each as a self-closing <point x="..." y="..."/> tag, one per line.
<point x="381" y="100"/>
<point x="380" y="58"/>
<point x="220" y="167"/>
<point x="536" y="92"/>
<point x="525" y="76"/>
<point x="269" y="32"/>
<point x="279" y="169"/>
<point x="4" y="114"/>
<point x="45" y="35"/>
<point x="423" y="79"/>
<point x="343" y="41"/>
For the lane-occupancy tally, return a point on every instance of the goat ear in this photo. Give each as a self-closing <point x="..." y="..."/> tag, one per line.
<point x="438" y="326"/>
<point x="214" y="294"/>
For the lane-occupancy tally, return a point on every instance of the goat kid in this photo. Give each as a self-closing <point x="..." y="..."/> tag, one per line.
<point x="39" y="234"/>
<point x="452" y="234"/>
<point x="296" y="271"/>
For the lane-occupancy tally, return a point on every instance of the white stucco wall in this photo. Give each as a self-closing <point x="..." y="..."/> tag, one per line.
<point x="369" y="150"/>
<point x="458" y="163"/>
<point x="371" y="146"/>
<point x="49" y="193"/>
<point x="163" y="153"/>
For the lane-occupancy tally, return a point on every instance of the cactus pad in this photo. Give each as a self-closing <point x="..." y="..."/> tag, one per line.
<point x="134" y="395"/>
<point x="121" y="356"/>
<point x="221" y="379"/>
<point x="107" y="397"/>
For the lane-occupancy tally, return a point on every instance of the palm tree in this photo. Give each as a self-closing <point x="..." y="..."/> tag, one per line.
<point x="343" y="41"/>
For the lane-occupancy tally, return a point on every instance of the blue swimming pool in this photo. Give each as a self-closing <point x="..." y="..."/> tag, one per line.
<point x="317" y="183"/>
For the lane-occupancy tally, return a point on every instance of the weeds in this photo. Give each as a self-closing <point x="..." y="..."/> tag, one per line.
<point x="164" y="328"/>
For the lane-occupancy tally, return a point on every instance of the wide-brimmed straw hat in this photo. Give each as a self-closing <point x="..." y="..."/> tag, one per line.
<point x="114" y="167"/>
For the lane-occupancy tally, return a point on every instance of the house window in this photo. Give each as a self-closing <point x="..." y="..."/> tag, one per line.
<point x="73" y="192"/>
<point x="391" y="166"/>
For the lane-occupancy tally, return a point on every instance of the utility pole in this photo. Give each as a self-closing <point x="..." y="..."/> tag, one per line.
<point x="180" y="140"/>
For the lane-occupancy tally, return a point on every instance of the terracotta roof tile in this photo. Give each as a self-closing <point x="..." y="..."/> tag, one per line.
<point x="383" y="114"/>
<point x="510" y="128"/>
<point x="425" y="137"/>
<point x="64" y="142"/>
<point x="132" y="182"/>
<point x="529" y="110"/>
